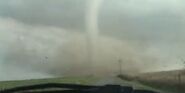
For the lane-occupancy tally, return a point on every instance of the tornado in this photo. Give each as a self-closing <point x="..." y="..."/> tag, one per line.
<point x="92" y="30"/>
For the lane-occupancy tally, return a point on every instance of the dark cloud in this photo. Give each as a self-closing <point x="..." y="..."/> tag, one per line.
<point x="62" y="13"/>
<point x="137" y="30"/>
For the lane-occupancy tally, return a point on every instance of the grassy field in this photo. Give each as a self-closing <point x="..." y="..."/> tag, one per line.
<point x="169" y="81"/>
<point x="76" y="80"/>
<point x="159" y="81"/>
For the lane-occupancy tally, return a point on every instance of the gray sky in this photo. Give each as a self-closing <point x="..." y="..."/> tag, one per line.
<point x="150" y="27"/>
<point x="122" y="18"/>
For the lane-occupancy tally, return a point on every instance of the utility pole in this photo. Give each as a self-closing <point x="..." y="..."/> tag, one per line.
<point x="179" y="79"/>
<point x="120" y="66"/>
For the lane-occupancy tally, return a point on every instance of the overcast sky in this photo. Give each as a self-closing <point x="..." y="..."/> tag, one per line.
<point x="153" y="26"/>
<point x="145" y="18"/>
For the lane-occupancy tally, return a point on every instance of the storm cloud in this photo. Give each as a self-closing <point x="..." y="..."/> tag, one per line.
<point x="44" y="38"/>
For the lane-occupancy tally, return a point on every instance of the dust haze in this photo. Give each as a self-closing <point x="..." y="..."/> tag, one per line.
<point x="54" y="43"/>
<point x="49" y="51"/>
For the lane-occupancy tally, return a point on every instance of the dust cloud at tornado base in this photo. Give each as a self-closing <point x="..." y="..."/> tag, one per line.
<point x="33" y="51"/>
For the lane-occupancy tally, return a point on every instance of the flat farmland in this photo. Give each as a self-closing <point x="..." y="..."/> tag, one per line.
<point x="170" y="81"/>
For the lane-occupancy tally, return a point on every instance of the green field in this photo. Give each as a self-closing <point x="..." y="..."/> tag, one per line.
<point x="169" y="81"/>
<point x="88" y="80"/>
<point x="76" y="80"/>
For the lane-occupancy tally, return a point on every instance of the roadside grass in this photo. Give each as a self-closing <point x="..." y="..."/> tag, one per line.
<point x="76" y="80"/>
<point x="166" y="81"/>
<point x="167" y="87"/>
<point x="86" y="80"/>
